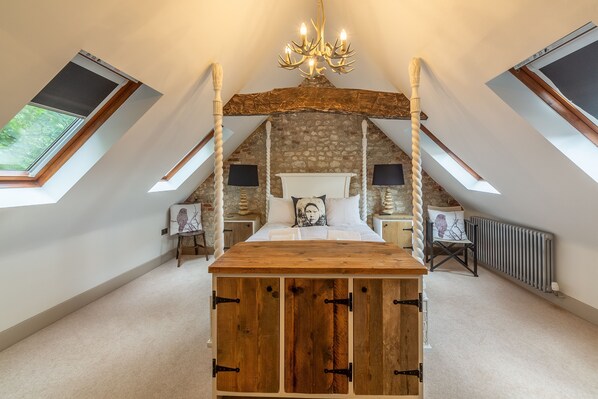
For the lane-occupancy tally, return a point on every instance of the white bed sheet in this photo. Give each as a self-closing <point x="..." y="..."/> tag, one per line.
<point x="317" y="232"/>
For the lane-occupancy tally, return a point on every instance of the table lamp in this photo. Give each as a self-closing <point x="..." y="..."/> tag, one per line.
<point x="243" y="176"/>
<point x="388" y="175"/>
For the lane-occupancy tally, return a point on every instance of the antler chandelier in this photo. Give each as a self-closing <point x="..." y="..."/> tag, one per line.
<point x="316" y="51"/>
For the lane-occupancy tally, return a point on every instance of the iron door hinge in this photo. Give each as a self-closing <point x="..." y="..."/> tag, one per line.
<point x="415" y="302"/>
<point x="346" y="372"/>
<point x="419" y="373"/>
<point x="217" y="369"/>
<point x="216" y="300"/>
<point x="347" y="302"/>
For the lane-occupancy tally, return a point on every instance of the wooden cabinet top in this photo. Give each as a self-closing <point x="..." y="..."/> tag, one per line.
<point x="394" y="216"/>
<point x="317" y="257"/>
<point x="235" y="217"/>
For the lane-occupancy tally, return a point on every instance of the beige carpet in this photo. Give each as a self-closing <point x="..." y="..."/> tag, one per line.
<point x="490" y="339"/>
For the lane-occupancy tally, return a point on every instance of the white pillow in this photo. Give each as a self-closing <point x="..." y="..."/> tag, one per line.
<point x="448" y="225"/>
<point x="281" y="210"/>
<point x="343" y="211"/>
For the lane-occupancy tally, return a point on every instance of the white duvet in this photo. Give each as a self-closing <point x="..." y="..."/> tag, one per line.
<point x="317" y="232"/>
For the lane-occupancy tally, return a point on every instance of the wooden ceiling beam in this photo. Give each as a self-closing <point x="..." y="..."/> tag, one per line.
<point x="371" y="104"/>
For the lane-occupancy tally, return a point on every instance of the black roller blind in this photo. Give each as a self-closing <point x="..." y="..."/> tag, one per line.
<point x="76" y="90"/>
<point x="576" y="76"/>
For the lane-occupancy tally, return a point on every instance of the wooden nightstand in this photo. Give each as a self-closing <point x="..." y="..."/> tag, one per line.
<point x="238" y="228"/>
<point x="395" y="228"/>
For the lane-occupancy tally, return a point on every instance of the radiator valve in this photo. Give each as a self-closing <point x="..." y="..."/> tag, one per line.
<point x="555" y="288"/>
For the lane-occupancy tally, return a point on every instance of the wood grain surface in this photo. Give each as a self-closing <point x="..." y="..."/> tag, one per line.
<point x="316" y="336"/>
<point x="248" y="334"/>
<point x="385" y="337"/>
<point x="373" y="104"/>
<point x="317" y="257"/>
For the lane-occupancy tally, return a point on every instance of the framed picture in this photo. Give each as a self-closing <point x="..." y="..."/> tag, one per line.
<point x="185" y="218"/>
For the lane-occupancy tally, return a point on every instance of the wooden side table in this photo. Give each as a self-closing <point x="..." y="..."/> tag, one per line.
<point x="238" y="228"/>
<point x="397" y="229"/>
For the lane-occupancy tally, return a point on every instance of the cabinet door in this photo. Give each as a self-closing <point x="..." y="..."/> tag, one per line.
<point x="316" y="335"/>
<point x="237" y="232"/>
<point x="397" y="232"/>
<point x="385" y="336"/>
<point x="248" y="334"/>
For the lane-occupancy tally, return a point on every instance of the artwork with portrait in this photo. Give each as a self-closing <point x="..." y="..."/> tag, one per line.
<point x="310" y="211"/>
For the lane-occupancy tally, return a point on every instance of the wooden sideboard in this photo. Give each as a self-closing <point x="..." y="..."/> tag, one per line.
<point x="317" y="319"/>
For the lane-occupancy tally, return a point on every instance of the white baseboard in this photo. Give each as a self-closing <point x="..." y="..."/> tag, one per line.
<point x="572" y="305"/>
<point x="24" y="329"/>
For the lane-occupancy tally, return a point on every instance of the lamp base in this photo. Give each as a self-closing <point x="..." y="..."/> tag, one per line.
<point x="243" y="209"/>
<point x="388" y="204"/>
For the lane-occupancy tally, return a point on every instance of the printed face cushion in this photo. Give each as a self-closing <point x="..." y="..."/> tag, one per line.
<point x="310" y="211"/>
<point x="448" y="225"/>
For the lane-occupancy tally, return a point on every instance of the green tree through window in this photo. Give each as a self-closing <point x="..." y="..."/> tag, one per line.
<point x="29" y="135"/>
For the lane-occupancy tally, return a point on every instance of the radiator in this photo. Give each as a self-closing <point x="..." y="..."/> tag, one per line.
<point x="523" y="253"/>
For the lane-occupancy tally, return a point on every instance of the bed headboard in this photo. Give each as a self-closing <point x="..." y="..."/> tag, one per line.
<point x="334" y="185"/>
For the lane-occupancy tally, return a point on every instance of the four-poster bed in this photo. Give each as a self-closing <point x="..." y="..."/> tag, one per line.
<point x="318" y="317"/>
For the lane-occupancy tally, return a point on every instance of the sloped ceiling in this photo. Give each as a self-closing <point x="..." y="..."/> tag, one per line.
<point x="170" y="46"/>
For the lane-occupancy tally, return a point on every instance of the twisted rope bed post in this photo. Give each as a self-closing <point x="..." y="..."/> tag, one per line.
<point x="416" y="166"/>
<point x="218" y="162"/>
<point x="364" y="172"/>
<point x="268" y="147"/>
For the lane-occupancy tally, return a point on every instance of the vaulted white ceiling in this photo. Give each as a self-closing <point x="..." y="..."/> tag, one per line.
<point x="169" y="45"/>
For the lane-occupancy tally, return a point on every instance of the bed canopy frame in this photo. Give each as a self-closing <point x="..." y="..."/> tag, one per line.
<point x="416" y="170"/>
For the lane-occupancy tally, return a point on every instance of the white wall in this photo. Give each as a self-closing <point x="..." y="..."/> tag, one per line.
<point x="108" y="223"/>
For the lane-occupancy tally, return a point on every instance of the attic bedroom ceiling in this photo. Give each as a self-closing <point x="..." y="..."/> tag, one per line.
<point x="170" y="47"/>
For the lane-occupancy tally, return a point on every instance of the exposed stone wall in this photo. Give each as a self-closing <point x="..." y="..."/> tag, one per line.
<point x="316" y="142"/>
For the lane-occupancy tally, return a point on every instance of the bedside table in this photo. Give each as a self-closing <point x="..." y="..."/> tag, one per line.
<point x="396" y="229"/>
<point x="238" y="228"/>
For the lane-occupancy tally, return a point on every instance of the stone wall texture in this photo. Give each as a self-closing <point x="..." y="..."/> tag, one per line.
<point x="316" y="142"/>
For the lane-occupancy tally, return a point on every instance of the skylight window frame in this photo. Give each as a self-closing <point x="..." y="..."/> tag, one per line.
<point x="528" y="72"/>
<point x="56" y="155"/>
<point x="188" y="157"/>
<point x="454" y="165"/>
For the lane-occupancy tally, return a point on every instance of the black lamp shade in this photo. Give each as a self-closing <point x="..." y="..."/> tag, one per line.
<point x="243" y="175"/>
<point x="388" y="175"/>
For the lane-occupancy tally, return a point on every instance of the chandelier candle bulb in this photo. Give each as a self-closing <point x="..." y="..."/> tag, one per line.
<point x="303" y="32"/>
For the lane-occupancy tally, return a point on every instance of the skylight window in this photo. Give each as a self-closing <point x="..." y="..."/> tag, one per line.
<point x="454" y="165"/>
<point x="190" y="163"/>
<point x="555" y="91"/>
<point x="34" y="138"/>
<point x="565" y="76"/>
